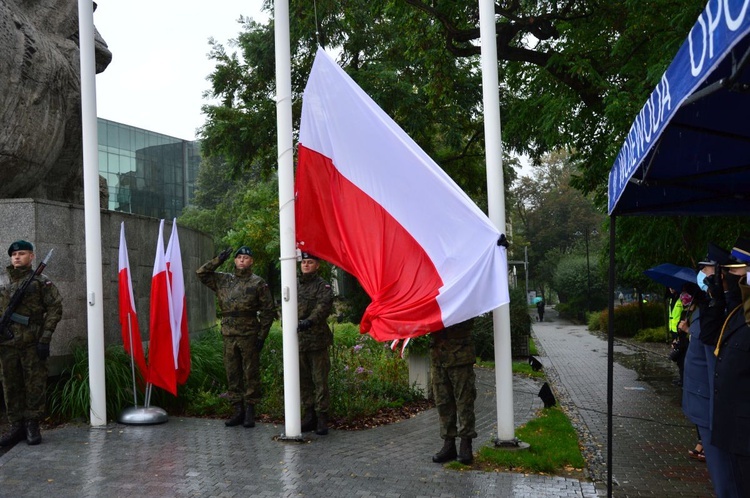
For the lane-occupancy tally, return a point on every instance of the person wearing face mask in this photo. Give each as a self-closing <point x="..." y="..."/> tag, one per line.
<point x="700" y="362"/>
<point x="731" y="403"/>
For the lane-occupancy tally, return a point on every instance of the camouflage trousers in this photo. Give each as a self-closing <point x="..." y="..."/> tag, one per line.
<point x="24" y="378"/>
<point x="242" y="365"/>
<point x="313" y="377"/>
<point x="455" y="392"/>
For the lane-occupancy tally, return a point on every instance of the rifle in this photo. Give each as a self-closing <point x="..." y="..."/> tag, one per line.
<point x="10" y="312"/>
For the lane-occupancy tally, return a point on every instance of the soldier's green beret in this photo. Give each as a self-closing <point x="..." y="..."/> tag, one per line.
<point x="20" y="245"/>
<point x="244" y="250"/>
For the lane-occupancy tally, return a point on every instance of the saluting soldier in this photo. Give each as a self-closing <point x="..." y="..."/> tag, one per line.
<point x="247" y="313"/>
<point x="314" y="304"/>
<point x="23" y="358"/>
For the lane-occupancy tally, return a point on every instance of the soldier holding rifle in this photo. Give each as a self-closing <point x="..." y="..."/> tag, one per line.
<point x="32" y="308"/>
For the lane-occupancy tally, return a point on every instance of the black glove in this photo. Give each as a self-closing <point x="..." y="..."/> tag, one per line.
<point x="304" y="325"/>
<point x="259" y="344"/>
<point x="224" y="255"/>
<point x="42" y="350"/>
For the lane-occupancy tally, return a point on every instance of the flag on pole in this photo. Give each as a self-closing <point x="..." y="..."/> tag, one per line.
<point x="180" y="334"/>
<point x="161" y="360"/>
<point x="131" y="332"/>
<point x="370" y="201"/>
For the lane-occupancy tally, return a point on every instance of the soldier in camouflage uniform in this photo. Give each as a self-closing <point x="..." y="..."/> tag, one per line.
<point x="314" y="304"/>
<point x="23" y="364"/>
<point x="247" y="312"/>
<point x="452" y="359"/>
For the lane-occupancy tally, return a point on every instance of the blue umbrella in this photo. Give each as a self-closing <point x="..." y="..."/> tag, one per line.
<point x="537" y="300"/>
<point x="671" y="275"/>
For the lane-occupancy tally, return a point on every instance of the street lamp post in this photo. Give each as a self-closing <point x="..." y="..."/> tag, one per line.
<point x="586" y="234"/>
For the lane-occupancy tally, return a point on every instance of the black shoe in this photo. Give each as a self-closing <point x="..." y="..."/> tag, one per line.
<point x="249" y="417"/>
<point x="15" y="434"/>
<point x="33" y="435"/>
<point x="447" y="452"/>
<point x="322" y="425"/>
<point x="238" y="417"/>
<point x="309" y="420"/>
<point x="465" y="453"/>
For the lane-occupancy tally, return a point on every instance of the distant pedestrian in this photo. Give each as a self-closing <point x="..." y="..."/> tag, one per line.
<point x="622" y="298"/>
<point x="540" y="310"/>
<point x="314" y="304"/>
<point x="452" y="359"/>
<point x="23" y="358"/>
<point x="247" y="312"/>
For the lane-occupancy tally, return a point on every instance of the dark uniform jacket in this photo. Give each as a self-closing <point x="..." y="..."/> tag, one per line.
<point x="246" y="305"/>
<point x="41" y="304"/>
<point x="453" y="346"/>
<point x="314" y="303"/>
<point x="731" y="417"/>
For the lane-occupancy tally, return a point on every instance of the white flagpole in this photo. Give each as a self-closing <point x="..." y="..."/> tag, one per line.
<point x="94" y="287"/>
<point x="286" y="221"/>
<point x="496" y="208"/>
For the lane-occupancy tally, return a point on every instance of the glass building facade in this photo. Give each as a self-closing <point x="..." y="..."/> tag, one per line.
<point x="147" y="173"/>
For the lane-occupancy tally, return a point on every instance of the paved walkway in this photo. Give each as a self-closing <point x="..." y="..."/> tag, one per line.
<point x="200" y="457"/>
<point x="651" y="435"/>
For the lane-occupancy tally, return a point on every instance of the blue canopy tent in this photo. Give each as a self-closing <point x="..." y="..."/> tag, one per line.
<point x="688" y="150"/>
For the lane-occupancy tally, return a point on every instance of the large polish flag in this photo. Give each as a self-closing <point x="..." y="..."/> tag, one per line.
<point x="131" y="332"/>
<point x="370" y="201"/>
<point x="161" y="361"/>
<point x="180" y="333"/>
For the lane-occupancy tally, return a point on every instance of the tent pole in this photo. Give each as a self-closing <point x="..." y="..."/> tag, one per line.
<point x="610" y="350"/>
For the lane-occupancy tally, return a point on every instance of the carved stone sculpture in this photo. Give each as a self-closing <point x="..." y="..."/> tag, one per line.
<point x="40" y="99"/>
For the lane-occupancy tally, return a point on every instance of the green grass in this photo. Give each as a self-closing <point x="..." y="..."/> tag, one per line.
<point x="553" y="447"/>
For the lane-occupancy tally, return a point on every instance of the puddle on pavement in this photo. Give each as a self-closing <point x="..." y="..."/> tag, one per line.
<point x="655" y="371"/>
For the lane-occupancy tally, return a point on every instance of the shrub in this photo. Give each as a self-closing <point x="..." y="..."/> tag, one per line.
<point x="520" y="329"/>
<point x="654" y="334"/>
<point x="628" y="318"/>
<point x="365" y="377"/>
<point x="594" y="319"/>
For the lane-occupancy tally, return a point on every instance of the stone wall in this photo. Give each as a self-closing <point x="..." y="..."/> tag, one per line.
<point x="60" y="226"/>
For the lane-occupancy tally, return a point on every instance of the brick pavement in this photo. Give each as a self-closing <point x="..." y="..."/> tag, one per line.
<point x="201" y="457"/>
<point x="651" y="436"/>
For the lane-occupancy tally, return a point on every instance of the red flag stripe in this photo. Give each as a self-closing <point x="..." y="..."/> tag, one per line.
<point x="352" y="231"/>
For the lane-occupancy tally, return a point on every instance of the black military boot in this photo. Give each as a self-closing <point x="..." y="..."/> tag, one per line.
<point x="33" y="436"/>
<point x="15" y="434"/>
<point x="465" y="453"/>
<point x="249" y="416"/>
<point x="309" y="420"/>
<point x="447" y="452"/>
<point x="237" y="417"/>
<point x="322" y="426"/>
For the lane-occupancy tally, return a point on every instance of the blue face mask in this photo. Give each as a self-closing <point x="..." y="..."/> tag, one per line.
<point x="700" y="280"/>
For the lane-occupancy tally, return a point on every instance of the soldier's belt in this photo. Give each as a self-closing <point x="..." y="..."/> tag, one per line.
<point x="240" y="314"/>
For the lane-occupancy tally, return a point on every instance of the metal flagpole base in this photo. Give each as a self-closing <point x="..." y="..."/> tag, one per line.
<point x="291" y="439"/>
<point x="142" y="415"/>
<point x="513" y="444"/>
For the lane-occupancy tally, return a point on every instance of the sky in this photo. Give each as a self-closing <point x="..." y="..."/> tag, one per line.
<point x="159" y="67"/>
<point x="157" y="76"/>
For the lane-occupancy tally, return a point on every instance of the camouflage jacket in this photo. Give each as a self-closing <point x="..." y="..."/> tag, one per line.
<point x="453" y="346"/>
<point x="246" y="305"/>
<point x="314" y="303"/>
<point x="41" y="304"/>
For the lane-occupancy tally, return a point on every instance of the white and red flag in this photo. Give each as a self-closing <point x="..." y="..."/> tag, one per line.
<point x="180" y="334"/>
<point x="131" y="332"/>
<point x="370" y="201"/>
<point x="161" y="360"/>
